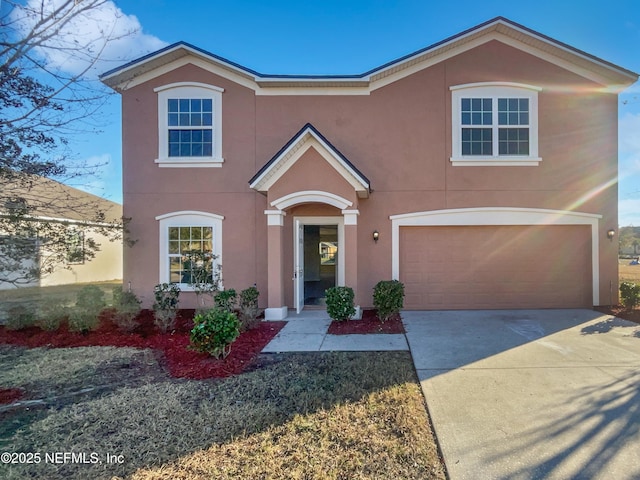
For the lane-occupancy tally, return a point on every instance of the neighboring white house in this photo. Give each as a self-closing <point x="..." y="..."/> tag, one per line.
<point x="76" y="210"/>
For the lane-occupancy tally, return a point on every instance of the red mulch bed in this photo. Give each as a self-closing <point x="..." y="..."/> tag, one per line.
<point x="10" y="395"/>
<point x="180" y="360"/>
<point x="370" y="323"/>
<point x="621" y="312"/>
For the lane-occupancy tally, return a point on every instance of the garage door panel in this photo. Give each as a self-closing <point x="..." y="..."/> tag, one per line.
<point x="496" y="266"/>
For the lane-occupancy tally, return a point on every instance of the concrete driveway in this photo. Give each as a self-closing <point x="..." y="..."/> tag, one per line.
<point x="528" y="394"/>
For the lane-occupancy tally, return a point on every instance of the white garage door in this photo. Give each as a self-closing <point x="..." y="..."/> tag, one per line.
<point x="486" y="267"/>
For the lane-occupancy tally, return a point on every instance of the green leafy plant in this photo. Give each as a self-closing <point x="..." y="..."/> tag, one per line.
<point x="167" y="296"/>
<point x="226" y="300"/>
<point x="52" y="314"/>
<point x="214" y="331"/>
<point x="20" y="317"/>
<point x="249" y="308"/>
<point x="388" y="298"/>
<point x="340" y="303"/>
<point x="85" y="316"/>
<point x="127" y="309"/>
<point x="630" y="294"/>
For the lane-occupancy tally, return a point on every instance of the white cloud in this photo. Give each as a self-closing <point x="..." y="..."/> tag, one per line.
<point x="84" y="30"/>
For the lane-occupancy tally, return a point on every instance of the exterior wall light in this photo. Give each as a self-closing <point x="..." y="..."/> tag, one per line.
<point x="611" y="233"/>
<point x="376" y="236"/>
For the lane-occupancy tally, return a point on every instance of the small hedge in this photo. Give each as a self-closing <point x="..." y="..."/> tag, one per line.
<point x="340" y="303"/>
<point x="85" y="316"/>
<point x="388" y="298"/>
<point x="214" y="331"/>
<point x="167" y="296"/>
<point x="630" y="294"/>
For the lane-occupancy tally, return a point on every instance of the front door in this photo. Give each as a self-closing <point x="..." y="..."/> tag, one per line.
<point x="318" y="259"/>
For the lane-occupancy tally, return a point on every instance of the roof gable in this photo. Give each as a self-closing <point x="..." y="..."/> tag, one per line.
<point x="309" y="137"/>
<point x="145" y="68"/>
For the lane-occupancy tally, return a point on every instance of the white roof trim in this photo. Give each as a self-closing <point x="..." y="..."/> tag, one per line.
<point x="507" y="32"/>
<point x="302" y="143"/>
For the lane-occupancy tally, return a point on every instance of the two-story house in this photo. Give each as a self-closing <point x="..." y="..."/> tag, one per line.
<point x="480" y="171"/>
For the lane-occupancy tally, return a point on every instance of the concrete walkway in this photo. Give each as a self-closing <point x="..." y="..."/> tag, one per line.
<point x="307" y="332"/>
<point x="521" y="394"/>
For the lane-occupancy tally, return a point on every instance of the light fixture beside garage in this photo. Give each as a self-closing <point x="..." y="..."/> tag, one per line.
<point x="611" y="233"/>
<point x="376" y="236"/>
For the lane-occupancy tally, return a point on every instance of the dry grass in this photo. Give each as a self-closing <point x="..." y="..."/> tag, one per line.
<point x="321" y="415"/>
<point x="628" y="273"/>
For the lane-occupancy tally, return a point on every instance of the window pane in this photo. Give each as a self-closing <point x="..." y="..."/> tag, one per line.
<point x="513" y="111"/>
<point x="173" y="105"/>
<point x="513" y="141"/>
<point x="196" y="150"/>
<point x="184" y="119"/>
<point x="207" y="119"/>
<point x="207" y="135"/>
<point x="173" y="119"/>
<point x="184" y="105"/>
<point x="174" y="247"/>
<point x="196" y="119"/>
<point x="476" y="111"/>
<point x="196" y="105"/>
<point x="207" y="105"/>
<point x="185" y="150"/>
<point x="173" y="233"/>
<point x="196" y="135"/>
<point x="185" y="136"/>
<point x="207" y="150"/>
<point x="477" y="141"/>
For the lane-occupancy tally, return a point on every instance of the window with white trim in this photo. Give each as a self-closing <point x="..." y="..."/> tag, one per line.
<point x="190" y="243"/>
<point x="494" y="124"/>
<point x="189" y="125"/>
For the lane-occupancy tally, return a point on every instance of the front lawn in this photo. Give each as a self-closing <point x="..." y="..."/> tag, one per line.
<point x="320" y="415"/>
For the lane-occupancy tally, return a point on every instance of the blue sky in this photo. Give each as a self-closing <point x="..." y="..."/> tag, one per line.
<point x="348" y="37"/>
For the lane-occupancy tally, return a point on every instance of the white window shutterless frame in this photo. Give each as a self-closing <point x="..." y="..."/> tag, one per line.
<point x="494" y="124"/>
<point x="189" y="125"/>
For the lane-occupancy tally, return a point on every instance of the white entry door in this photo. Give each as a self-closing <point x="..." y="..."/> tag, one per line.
<point x="298" y="266"/>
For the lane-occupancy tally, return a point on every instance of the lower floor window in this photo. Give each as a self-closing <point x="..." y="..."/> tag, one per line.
<point x="190" y="248"/>
<point x="191" y="254"/>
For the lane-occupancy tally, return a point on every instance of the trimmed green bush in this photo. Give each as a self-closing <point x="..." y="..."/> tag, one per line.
<point x="85" y="316"/>
<point x="340" y="303"/>
<point x="249" y="308"/>
<point x="127" y="308"/>
<point x="226" y="300"/>
<point x="388" y="298"/>
<point x="165" y="308"/>
<point x="629" y="294"/>
<point x="214" y="331"/>
<point x="20" y="317"/>
<point x="52" y="314"/>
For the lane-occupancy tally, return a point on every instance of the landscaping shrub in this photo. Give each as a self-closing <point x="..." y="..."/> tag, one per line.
<point x="388" y="298"/>
<point x="630" y="294"/>
<point x="52" y="314"/>
<point x="214" y="331"/>
<point x="340" y="303"/>
<point x="226" y="300"/>
<point x="249" y="308"/>
<point x="165" y="308"/>
<point x="127" y="308"/>
<point x="85" y="315"/>
<point x="20" y="317"/>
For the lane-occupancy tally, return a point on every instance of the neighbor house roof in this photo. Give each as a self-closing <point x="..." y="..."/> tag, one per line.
<point x="173" y="56"/>
<point x="52" y="200"/>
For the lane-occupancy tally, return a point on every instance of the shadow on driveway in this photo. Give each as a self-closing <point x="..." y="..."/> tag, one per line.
<point x="527" y="394"/>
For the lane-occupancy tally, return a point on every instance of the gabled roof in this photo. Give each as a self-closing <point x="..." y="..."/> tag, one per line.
<point x="499" y="28"/>
<point x="309" y="137"/>
<point x="55" y="201"/>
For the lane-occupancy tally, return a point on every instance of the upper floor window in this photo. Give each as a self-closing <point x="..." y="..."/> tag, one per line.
<point x="494" y="124"/>
<point x="189" y="125"/>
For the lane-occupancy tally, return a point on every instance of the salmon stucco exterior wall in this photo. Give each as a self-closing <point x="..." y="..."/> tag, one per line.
<point x="373" y="152"/>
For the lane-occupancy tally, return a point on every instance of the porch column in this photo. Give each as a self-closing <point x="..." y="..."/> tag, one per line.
<point x="351" y="253"/>
<point x="276" y="309"/>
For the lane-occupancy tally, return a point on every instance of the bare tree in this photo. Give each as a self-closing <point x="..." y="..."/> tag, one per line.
<point x="49" y="91"/>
